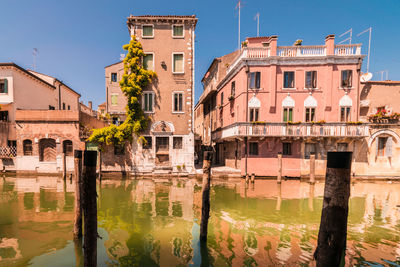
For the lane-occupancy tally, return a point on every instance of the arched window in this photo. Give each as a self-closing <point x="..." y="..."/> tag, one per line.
<point x="67" y="147"/>
<point x="288" y="105"/>
<point x="310" y="105"/>
<point x="27" y="145"/>
<point x="47" y="149"/>
<point x="345" y="104"/>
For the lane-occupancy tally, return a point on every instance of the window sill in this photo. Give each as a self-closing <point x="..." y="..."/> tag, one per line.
<point x="346" y="88"/>
<point x="178" y="112"/>
<point x="178" y="37"/>
<point x="149" y="112"/>
<point x="148" y="37"/>
<point x="310" y="88"/>
<point x="178" y="73"/>
<point x="294" y="88"/>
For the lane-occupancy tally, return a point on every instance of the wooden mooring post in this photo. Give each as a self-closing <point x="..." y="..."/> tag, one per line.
<point x="205" y="206"/>
<point x="312" y="168"/>
<point x="89" y="197"/>
<point x="78" y="194"/>
<point x="331" y="248"/>
<point x="279" y="178"/>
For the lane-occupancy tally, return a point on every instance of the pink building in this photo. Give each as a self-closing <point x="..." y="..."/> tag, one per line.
<point x="295" y="100"/>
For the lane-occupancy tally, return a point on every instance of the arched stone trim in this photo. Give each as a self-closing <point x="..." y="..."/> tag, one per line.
<point x="158" y="124"/>
<point x="288" y="102"/>
<point x="384" y="131"/>
<point x="254" y="102"/>
<point x="310" y="102"/>
<point x="346" y="101"/>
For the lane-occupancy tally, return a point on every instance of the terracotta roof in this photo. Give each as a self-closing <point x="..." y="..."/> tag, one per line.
<point x="12" y="64"/>
<point x="113" y="64"/>
<point x="32" y="71"/>
<point x="382" y="82"/>
<point x="102" y="104"/>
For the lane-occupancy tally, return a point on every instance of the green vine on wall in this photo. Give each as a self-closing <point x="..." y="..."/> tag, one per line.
<point x="134" y="80"/>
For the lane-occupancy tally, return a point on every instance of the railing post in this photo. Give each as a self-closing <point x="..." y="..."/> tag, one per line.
<point x="332" y="234"/>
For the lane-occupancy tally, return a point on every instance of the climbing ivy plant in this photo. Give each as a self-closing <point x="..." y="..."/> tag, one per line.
<point x="134" y="80"/>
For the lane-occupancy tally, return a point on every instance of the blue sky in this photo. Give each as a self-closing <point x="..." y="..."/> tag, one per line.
<point x="76" y="39"/>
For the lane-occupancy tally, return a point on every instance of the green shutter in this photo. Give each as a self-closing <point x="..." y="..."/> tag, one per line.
<point x="5" y="86"/>
<point x="150" y="102"/>
<point x="145" y="102"/>
<point x="285" y="114"/>
<point x="290" y="114"/>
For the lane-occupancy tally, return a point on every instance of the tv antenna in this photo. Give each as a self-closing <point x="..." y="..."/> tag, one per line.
<point x="369" y="43"/>
<point x="239" y="6"/>
<point x="350" y="32"/>
<point x="382" y="72"/>
<point x="257" y="17"/>
<point x="35" y="52"/>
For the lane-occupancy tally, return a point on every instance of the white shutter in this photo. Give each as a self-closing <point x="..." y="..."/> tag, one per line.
<point x="389" y="147"/>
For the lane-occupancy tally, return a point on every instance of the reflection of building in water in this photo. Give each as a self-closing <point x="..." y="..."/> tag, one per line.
<point x="9" y="249"/>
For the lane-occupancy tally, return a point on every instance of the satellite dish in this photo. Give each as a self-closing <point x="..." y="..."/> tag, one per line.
<point x="366" y="77"/>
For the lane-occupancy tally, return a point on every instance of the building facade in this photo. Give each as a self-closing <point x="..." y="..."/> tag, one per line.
<point x="294" y="100"/>
<point x="168" y="42"/>
<point x="41" y="122"/>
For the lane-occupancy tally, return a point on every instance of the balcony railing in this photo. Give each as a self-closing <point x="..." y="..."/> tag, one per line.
<point x="8" y="151"/>
<point x="294" y="51"/>
<point x="243" y="129"/>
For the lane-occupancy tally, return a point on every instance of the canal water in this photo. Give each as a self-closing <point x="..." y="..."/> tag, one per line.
<point x="156" y="223"/>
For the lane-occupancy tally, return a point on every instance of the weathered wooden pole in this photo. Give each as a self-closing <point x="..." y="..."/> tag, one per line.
<point x="205" y="207"/>
<point x="279" y="178"/>
<point x="78" y="194"/>
<point x="78" y="252"/>
<point x="89" y="197"/>
<point x="312" y="168"/>
<point x="279" y="198"/>
<point x="332" y="234"/>
<point x="64" y="159"/>
<point x="253" y="177"/>
<point x="99" y="164"/>
<point x="247" y="178"/>
<point x="311" y="198"/>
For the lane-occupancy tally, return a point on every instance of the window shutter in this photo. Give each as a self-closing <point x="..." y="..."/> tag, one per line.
<point x="150" y="102"/>
<point x="377" y="146"/>
<point x="258" y="76"/>
<point x="5" y="86"/>
<point x="389" y="147"/>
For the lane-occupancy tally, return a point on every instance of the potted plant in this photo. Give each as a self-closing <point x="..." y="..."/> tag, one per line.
<point x="298" y="42"/>
<point x="244" y="44"/>
<point x="231" y="98"/>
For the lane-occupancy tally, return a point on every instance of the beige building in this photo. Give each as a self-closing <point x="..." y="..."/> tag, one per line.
<point x="168" y="42"/>
<point x="41" y="121"/>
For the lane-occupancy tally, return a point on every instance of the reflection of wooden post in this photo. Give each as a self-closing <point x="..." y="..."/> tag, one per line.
<point x="247" y="178"/>
<point x="205" y="207"/>
<point x="64" y="159"/>
<point x="90" y="208"/>
<point x="279" y="178"/>
<point x="253" y="177"/>
<point x="312" y="168"/>
<point x="99" y="164"/>
<point x="333" y="227"/>
<point x="78" y="194"/>
<point x="78" y="252"/>
<point x="311" y="198"/>
<point x="279" y="199"/>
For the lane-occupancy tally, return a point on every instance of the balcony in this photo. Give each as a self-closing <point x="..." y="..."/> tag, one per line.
<point x="295" y="51"/>
<point x="242" y="129"/>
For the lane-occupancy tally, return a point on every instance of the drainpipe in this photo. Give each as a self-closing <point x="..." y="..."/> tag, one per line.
<point x="246" y="150"/>
<point x="59" y="96"/>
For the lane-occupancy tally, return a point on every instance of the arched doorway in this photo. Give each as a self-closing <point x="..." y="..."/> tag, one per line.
<point x="47" y="149"/>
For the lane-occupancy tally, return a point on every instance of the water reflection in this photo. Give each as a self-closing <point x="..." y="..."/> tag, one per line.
<point x="156" y="223"/>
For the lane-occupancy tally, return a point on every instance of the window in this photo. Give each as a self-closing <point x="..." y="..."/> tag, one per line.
<point x="3" y="86"/>
<point x="47" y="150"/>
<point x="287" y="149"/>
<point x="114" y="100"/>
<point x="119" y="149"/>
<point x="233" y="88"/>
<point x="311" y="79"/>
<point x="345" y="113"/>
<point x="346" y="80"/>
<point x="288" y="79"/>
<point x="63" y="106"/>
<point x="162" y="144"/>
<point x="287" y="114"/>
<point x="69" y="107"/>
<point x="310" y="114"/>
<point x="310" y="148"/>
<point x="255" y="80"/>
<point x="51" y="107"/>
<point x="177" y="143"/>
<point x="342" y="146"/>
<point x="381" y="146"/>
<point x="253" y="114"/>
<point x="114" y="77"/>
<point x="177" y="64"/>
<point x="67" y="147"/>
<point x="178" y="102"/>
<point x="222" y="99"/>
<point x="147" y="31"/>
<point x="4" y="115"/>
<point x="384" y="146"/>
<point x="148" y="144"/>
<point x="148" y="62"/>
<point x="253" y="148"/>
<point x="27" y="146"/>
<point x="115" y="120"/>
<point x="148" y="102"/>
<point x="177" y="31"/>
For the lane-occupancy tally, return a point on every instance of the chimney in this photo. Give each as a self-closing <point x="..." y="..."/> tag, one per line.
<point x="330" y="44"/>
<point x="90" y="105"/>
<point x="273" y="44"/>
